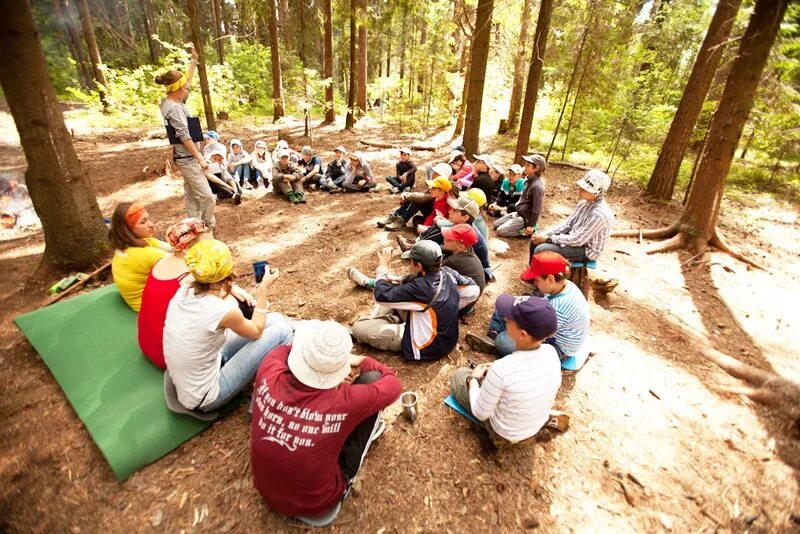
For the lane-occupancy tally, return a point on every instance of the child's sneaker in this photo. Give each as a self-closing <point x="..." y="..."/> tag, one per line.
<point x="394" y="190"/>
<point x="237" y="198"/>
<point x="301" y="198"/>
<point x="389" y="220"/>
<point x="292" y="197"/>
<point x="481" y="343"/>
<point x="357" y="277"/>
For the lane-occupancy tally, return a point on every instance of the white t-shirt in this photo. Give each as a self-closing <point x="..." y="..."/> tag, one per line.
<point x="192" y="343"/>
<point x="518" y="392"/>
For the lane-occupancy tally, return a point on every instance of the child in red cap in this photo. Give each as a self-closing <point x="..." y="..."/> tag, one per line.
<point x="549" y="271"/>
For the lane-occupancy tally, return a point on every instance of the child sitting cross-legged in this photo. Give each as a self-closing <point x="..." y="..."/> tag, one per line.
<point x="222" y="184"/>
<point x="512" y="397"/>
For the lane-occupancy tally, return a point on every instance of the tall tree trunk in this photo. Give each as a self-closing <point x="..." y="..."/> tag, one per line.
<point x="275" y="57"/>
<point x="361" y="94"/>
<point x="389" y="57"/>
<point x="403" y="31"/>
<point x="349" y="120"/>
<point x="197" y="40"/>
<point x="283" y="23"/>
<point x="665" y="173"/>
<point x="74" y="234"/>
<point x="94" y="52"/>
<point x="462" y="108"/>
<point x="330" y="112"/>
<point x="534" y="78"/>
<point x="519" y="67"/>
<point x="149" y="27"/>
<point x="748" y="142"/>
<point x="477" y="76"/>
<point x="702" y="207"/>
<point x="216" y="15"/>
<point x="63" y="11"/>
<point x="575" y="105"/>
<point x="589" y="24"/>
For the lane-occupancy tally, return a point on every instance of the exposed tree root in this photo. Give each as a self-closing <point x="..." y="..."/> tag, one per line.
<point x="718" y="241"/>
<point x="657" y="233"/>
<point x="675" y="238"/>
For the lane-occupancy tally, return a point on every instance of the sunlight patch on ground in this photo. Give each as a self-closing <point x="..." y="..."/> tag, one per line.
<point x="766" y="310"/>
<point x="124" y="147"/>
<point x="19" y="252"/>
<point x="687" y="428"/>
<point x="147" y="191"/>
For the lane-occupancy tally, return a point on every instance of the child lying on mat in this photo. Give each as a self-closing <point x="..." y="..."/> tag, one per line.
<point x="135" y="250"/>
<point x="513" y="396"/>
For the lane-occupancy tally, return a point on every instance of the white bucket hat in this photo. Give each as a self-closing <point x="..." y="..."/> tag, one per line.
<point x="320" y="355"/>
<point x="486" y="158"/>
<point x="595" y="181"/>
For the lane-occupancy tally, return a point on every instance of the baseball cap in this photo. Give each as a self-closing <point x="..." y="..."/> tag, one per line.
<point x="443" y="169"/>
<point x="424" y="251"/>
<point x="283" y="153"/>
<point x="463" y="233"/>
<point x="320" y="355"/>
<point x="282" y="144"/>
<point x="516" y="168"/>
<point x="538" y="160"/>
<point x="405" y="150"/>
<point x="535" y="315"/>
<point x="236" y="142"/>
<point x="453" y="155"/>
<point x="441" y="182"/>
<point x="341" y="149"/>
<point x="211" y="134"/>
<point x="486" y="158"/>
<point x="544" y="263"/>
<point x="306" y="151"/>
<point x="595" y="181"/>
<point x="261" y="143"/>
<point x="475" y="194"/>
<point x="464" y="203"/>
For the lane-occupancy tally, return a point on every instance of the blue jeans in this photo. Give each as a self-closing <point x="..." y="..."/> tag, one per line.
<point x="400" y="185"/>
<point x="503" y="344"/>
<point x="242" y="356"/>
<point x="258" y="175"/>
<point x="572" y="254"/>
<point x="241" y="173"/>
<point x="409" y="209"/>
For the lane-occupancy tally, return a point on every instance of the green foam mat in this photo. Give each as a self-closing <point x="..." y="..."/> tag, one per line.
<point x="89" y="343"/>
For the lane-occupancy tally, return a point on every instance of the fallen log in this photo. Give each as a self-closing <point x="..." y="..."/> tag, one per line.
<point x="415" y="146"/>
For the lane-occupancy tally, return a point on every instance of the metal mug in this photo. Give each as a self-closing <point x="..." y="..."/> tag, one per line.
<point x="259" y="269"/>
<point x="409" y="402"/>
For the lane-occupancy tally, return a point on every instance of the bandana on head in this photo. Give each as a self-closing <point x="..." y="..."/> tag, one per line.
<point x="209" y="261"/>
<point x="174" y="86"/>
<point x="134" y="213"/>
<point x="180" y="235"/>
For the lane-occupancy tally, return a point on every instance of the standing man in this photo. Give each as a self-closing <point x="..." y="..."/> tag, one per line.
<point x="186" y="137"/>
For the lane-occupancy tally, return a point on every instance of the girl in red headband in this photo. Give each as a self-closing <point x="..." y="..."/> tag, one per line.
<point x="136" y="250"/>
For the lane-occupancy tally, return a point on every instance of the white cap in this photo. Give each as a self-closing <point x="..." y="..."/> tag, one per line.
<point x="320" y="355"/>
<point x="405" y="150"/>
<point x="453" y="155"/>
<point x="486" y="158"/>
<point x="595" y="181"/>
<point x="341" y="149"/>
<point x="282" y="144"/>
<point x="443" y="169"/>
<point x="283" y="153"/>
<point x="516" y="168"/>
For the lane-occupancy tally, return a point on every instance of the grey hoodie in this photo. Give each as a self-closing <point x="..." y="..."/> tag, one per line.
<point x="362" y="172"/>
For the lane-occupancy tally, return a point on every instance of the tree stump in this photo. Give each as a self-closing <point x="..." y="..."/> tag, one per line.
<point x="579" y="275"/>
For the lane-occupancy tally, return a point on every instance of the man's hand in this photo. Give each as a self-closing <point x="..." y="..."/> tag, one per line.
<point x="529" y="230"/>
<point x="385" y="257"/>
<point x="269" y="278"/>
<point x="480" y="370"/>
<point x="538" y="239"/>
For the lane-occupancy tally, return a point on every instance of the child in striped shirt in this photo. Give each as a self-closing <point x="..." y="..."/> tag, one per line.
<point x="513" y="396"/>
<point x="549" y="271"/>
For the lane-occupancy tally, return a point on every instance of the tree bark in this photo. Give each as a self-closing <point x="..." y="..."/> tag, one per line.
<point x="534" y="78"/>
<point x="589" y="24"/>
<point x="74" y="233"/>
<point x="330" y="112"/>
<point x="519" y="68"/>
<point x="94" y="52"/>
<point x="66" y="18"/>
<point x="150" y="28"/>
<point x="197" y="40"/>
<point x="477" y="76"/>
<point x="702" y="208"/>
<point x="275" y="57"/>
<point x="283" y="22"/>
<point x="361" y="95"/>
<point x="351" y="92"/>
<point x="216" y="15"/>
<point x="403" y="32"/>
<point x="665" y="173"/>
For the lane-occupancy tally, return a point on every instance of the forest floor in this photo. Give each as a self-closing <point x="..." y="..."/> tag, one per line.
<point x="654" y="443"/>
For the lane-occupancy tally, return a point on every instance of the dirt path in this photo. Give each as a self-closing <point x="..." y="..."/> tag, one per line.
<point x="653" y="445"/>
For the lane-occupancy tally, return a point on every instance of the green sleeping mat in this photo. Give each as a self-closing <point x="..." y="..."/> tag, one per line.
<point x="89" y="343"/>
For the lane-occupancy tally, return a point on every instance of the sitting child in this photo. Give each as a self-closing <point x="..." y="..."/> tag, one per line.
<point x="287" y="178"/>
<point x="239" y="164"/>
<point x="481" y="177"/>
<point x="357" y="175"/>
<point x="513" y="396"/>
<point x="294" y="157"/>
<point x="261" y="165"/>
<point x="508" y="195"/>
<point x="311" y="167"/>
<point x="462" y="169"/>
<point x="307" y="474"/>
<point x="405" y="173"/>
<point x="334" y="174"/>
<point x="422" y="203"/>
<point x="524" y="219"/>
<point x="549" y="271"/>
<point x="419" y="316"/>
<point x="222" y="184"/>
<point x="584" y="234"/>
